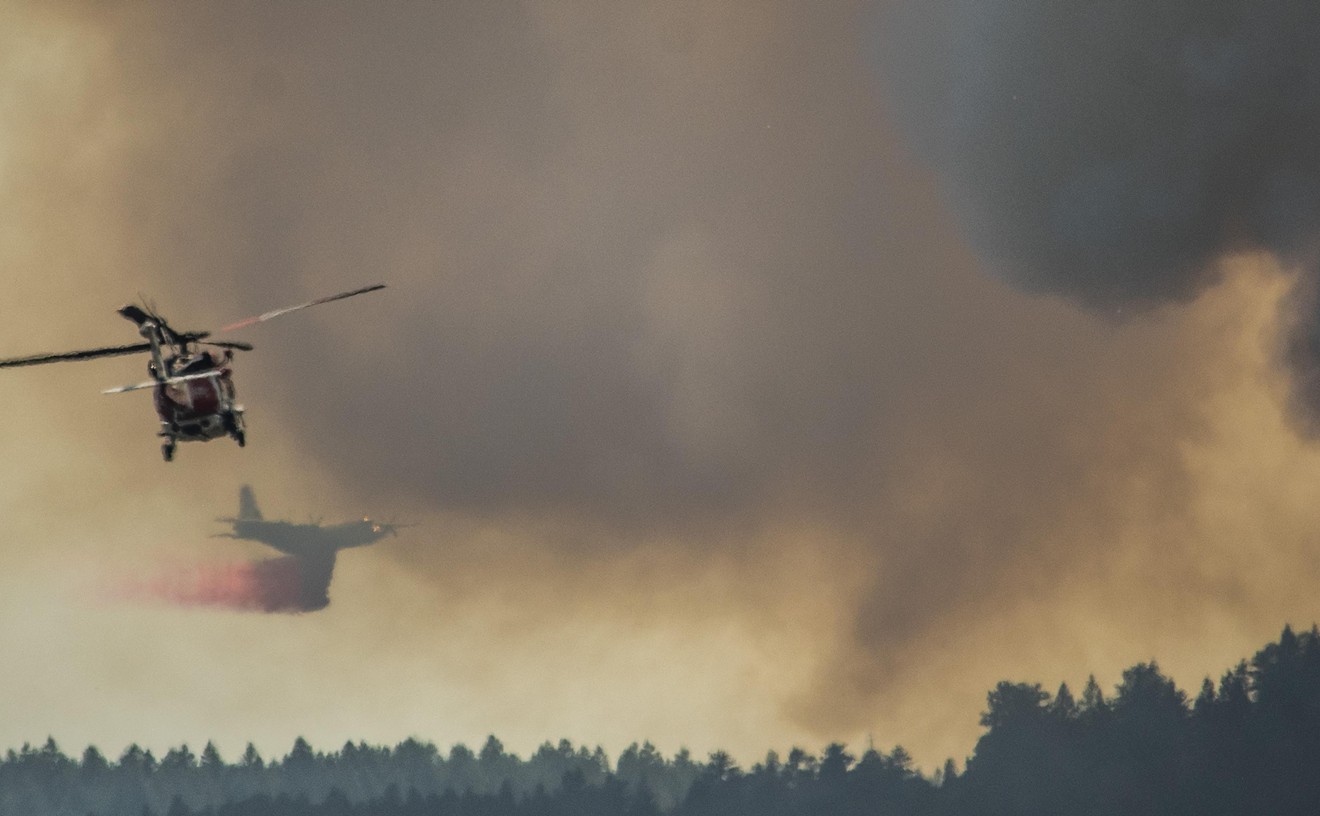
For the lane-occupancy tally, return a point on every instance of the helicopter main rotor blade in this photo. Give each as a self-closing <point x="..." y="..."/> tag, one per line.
<point x="201" y="375"/>
<point x="140" y="316"/>
<point x="70" y="356"/>
<point x="261" y="318"/>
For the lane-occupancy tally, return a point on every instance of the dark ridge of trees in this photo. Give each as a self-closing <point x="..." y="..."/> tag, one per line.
<point x="1247" y="744"/>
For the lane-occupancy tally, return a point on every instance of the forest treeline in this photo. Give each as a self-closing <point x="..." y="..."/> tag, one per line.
<point x="1247" y="744"/>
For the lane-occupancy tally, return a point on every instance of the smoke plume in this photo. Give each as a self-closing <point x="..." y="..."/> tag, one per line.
<point x="1118" y="153"/>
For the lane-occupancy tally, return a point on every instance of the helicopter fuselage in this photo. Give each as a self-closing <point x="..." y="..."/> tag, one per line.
<point x="200" y="408"/>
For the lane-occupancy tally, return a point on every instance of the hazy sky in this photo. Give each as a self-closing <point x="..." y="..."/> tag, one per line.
<point x="757" y="373"/>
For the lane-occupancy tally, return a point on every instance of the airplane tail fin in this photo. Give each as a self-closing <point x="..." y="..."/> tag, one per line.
<point x="247" y="505"/>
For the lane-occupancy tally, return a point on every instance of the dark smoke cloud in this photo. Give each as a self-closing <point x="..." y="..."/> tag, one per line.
<point x="1117" y="153"/>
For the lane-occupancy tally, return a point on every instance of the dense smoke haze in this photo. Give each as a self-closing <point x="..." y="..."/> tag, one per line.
<point x="720" y="364"/>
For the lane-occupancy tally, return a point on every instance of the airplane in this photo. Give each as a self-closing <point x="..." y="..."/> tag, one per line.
<point x="193" y="386"/>
<point x="312" y="546"/>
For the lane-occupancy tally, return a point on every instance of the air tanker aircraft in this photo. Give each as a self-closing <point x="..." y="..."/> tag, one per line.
<point x="314" y="546"/>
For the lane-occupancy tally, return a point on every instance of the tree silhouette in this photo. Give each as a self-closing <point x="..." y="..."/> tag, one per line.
<point x="1248" y="744"/>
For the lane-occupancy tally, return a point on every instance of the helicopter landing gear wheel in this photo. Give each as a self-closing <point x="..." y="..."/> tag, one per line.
<point x="167" y="451"/>
<point x="241" y="438"/>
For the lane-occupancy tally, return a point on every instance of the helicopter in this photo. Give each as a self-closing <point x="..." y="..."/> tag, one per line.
<point x="191" y="375"/>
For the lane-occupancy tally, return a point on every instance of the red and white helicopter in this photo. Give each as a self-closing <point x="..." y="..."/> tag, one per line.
<point x="194" y="386"/>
